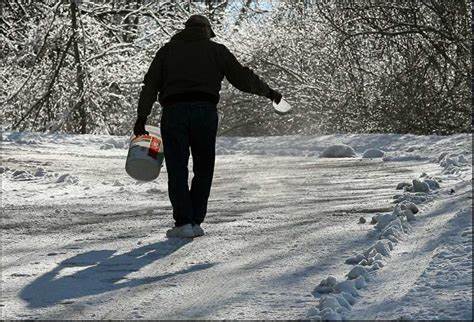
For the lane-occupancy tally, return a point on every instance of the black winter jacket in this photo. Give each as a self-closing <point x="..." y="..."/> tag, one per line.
<point x="190" y="67"/>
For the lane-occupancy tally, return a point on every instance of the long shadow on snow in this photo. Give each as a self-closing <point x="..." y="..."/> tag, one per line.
<point x="105" y="272"/>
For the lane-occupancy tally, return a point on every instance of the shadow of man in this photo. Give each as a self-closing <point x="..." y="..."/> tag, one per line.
<point x="105" y="272"/>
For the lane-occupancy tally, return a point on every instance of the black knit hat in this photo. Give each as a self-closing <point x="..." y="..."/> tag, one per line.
<point x="199" y="21"/>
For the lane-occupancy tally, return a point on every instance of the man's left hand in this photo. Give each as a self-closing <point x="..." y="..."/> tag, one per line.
<point x="274" y="96"/>
<point x="139" y="128"/>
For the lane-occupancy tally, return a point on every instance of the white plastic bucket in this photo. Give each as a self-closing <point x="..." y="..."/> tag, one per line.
<point x="145" y="155"/>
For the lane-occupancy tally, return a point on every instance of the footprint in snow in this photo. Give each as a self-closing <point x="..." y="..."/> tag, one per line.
<point x="54" y="254"/>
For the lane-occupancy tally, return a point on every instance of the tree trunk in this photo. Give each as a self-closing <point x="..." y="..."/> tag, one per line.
<point x="79" y="69"/>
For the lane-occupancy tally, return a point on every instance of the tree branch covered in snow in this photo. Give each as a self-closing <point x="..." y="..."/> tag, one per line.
<point x="345" y="66"/>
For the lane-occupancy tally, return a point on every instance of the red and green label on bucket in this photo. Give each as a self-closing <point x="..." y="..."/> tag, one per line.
<point x="154" y="144"/>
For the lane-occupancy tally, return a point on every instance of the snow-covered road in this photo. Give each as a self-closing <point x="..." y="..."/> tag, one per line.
<point x="81" y="240"/>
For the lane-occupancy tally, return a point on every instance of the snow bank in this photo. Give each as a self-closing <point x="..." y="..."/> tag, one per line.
<point x="430" y="277"/>
<point x="389" y="230"/>
<point x="393" y="146"/>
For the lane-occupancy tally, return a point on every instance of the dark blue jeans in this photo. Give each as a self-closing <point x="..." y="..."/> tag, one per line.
<point x="189" y="126"/>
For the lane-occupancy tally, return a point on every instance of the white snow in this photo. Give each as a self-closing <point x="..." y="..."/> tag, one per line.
<point x="429" y="275"/>
<point x="81" y="240"/>
<point x="420" y="186"/>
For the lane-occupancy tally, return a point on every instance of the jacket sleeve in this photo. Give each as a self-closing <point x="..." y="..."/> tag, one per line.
<point x="151" y="85"/>
<point x="243" y="78"/>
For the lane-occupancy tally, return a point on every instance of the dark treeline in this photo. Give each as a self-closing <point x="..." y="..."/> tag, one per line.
<point x="346" y="66"/>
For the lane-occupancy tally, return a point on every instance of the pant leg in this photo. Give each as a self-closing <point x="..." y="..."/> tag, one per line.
<point x="175" y="134"/>
<point x="203" y="148"/>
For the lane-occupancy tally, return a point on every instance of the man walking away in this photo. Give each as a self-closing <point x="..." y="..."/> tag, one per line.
<point x="187" y="73"/>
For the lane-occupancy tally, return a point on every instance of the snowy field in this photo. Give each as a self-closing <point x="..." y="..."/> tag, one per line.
<point x="82" y="240"/>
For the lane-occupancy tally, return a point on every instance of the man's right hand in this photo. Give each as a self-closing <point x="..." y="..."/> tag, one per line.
<point x="139" y="128"/>
<point x="274" y="96"/>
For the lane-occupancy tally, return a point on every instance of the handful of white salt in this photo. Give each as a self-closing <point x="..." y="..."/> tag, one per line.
<point x="283" y="107"/>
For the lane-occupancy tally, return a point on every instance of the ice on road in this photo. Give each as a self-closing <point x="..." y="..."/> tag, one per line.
<point x="81" y="240"/>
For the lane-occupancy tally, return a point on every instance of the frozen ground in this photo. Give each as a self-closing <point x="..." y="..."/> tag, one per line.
<point x="81" y="240"/>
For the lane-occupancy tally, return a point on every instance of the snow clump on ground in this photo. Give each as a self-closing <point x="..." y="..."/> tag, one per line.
<point x="338" y="151"/>
<point x="425" y="184"/>
<point x="373" y="153"/>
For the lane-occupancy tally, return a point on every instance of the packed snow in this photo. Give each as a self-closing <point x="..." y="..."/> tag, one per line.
<point x="322" y="227"/>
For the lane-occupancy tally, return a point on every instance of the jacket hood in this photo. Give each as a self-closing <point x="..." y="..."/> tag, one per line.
<point x="191" y="34"/>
